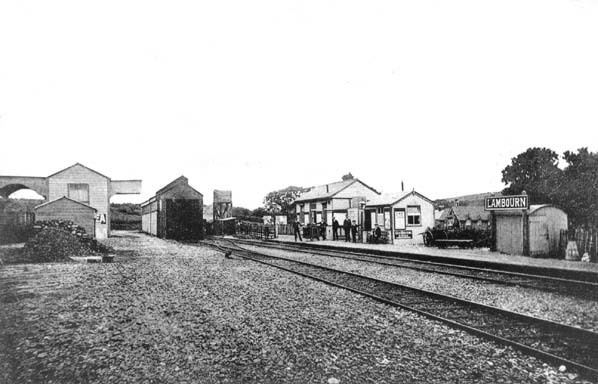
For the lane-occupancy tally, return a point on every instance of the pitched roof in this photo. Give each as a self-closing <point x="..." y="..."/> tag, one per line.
<point x="474" y="199"/>
<point x="81" y="165"/>
<point x="532" y="209"/>
<point x="393" y="198"/>
<point x="327" y="191"/>
<point x="65" y="198"/>
<point x="172" y="184"/>
<point x="178" y="180"/>
<point x="467" y="212"/>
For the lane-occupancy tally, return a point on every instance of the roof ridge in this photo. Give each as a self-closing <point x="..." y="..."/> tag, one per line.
<point x="66" y="198"/>
<point x="81" y="165"/>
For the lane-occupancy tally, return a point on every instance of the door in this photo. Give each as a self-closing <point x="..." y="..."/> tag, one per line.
<point x="509" y="235"/>
<point x="183" y="219"/>
<point x="539" y="238"/>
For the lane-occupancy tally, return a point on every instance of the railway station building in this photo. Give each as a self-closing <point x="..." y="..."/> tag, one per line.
<point x="336" y="200"/>
<point x="67" y="193"/>
<point x="403" y="217"/>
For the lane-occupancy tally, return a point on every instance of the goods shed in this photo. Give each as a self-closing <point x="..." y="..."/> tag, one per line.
<point x="78" y="183"/>
<point x="403" y="216"/>
<point x="532" y="232"/>
<point x="175" y="212"/>
<point x="69" y="210"/>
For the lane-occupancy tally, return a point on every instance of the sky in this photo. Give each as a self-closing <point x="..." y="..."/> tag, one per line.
<point x="254" y="96"/>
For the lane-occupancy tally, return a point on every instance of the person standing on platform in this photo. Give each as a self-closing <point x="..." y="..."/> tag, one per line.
<point x="335" y="229"/>
<point x="323" y="230"/>
<point x="347" y="228"/>
<point x="354" y="231"/>
<point x="377" y="234"/>
<point x="297" y="230"/>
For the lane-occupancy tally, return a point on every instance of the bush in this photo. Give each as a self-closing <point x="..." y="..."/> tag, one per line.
<point x="65" y="225"/>
<point x="482" y="238"/>
<point x="52" y="244"/>
<point x="17" y="233"/>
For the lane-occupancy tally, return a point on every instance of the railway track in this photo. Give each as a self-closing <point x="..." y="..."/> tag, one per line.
<point x="560" y="344"/>
<point x="578" y="288"/>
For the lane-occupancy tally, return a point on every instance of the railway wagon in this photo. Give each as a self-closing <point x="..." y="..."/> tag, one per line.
<point x="175" y="212"/>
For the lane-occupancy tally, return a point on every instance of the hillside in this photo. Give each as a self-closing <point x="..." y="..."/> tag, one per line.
<point x="125" y="216"/>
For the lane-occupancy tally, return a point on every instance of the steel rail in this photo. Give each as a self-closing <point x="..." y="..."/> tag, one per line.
<point x="578" y="288"/>
<point x="573" y="274"/>
<point x="558" y="343"/>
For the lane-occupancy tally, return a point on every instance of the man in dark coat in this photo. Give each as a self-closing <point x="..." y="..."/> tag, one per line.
<point x="354" y="231"/>
<point x="377" y="234"/>
<point x="334" y="229"/>
<point x="297" y="230"/>
<point x="323" y="230"/>
<point x="347" y="228"/>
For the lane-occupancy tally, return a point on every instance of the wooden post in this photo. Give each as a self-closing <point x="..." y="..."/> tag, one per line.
<point x="525" y="228"/>
<point x="493" y="245"/>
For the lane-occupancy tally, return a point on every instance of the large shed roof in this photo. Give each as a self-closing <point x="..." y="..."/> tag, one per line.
<point x="179" y="180"/>
<point x="78" y="165"/>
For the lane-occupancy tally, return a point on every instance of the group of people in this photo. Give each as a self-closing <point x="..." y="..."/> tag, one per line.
<point x="349" y="228"/>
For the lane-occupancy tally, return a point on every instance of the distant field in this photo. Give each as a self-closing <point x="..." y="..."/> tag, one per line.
<point x="125" y="216"/>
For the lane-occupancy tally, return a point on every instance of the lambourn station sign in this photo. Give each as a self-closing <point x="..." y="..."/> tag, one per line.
<point x="503" y="203"/>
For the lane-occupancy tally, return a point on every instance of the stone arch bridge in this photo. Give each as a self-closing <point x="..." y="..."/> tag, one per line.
<point x="11" y="184"/>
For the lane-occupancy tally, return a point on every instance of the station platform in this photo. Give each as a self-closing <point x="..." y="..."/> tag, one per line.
<point x="481" y="254"/>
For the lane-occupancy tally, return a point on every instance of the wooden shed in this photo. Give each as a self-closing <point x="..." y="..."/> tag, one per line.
<point x="534" y="232"/>
<point x="175" y="212"/>
<point x="67" y="209"/>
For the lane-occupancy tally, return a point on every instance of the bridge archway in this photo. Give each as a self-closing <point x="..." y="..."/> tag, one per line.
<point x="12" y="184"/>
<point x="20" y="191"/>
<point x="26" y="194"/>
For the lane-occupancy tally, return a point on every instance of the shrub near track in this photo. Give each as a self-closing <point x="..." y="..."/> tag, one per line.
<point x="56" y="244"/>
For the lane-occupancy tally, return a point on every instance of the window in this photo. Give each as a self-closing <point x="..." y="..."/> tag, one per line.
<point x="79" y="192"/>
<point x="414" y="215"/>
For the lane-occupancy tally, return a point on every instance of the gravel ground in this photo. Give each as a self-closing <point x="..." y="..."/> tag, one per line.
<point x="552" y="306"/>
<point x="172" y="313"/>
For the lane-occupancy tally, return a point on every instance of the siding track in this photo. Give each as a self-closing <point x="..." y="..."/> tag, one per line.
<point x="560" y="344"/>
<point x="583" y="289"/>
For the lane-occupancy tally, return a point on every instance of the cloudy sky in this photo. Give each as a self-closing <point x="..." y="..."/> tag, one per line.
<point x="257" y="95"/>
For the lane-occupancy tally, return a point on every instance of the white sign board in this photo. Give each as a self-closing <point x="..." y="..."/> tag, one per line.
<point x="399" y="219"/>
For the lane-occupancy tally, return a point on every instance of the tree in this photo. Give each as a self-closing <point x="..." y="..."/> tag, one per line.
<point x="259" y="212"/>
<point x="579" y="190"/>
<point x="279" y="202"/>
<point x="241" y="212"/>
<point x="535" y="171"/>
